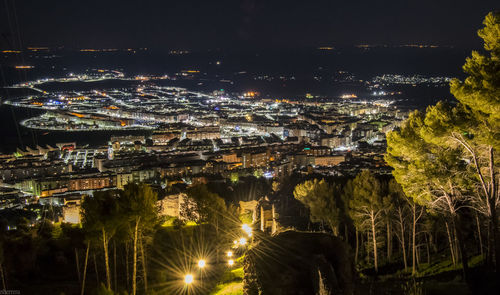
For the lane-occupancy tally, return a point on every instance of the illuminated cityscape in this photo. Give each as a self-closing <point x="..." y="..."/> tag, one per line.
<point x="249" y="147"/>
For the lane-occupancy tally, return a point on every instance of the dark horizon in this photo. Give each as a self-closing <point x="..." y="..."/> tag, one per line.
<point x="252" y="24"/>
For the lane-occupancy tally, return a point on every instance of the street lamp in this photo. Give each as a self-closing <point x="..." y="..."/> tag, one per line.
<point x="243" y="241"/>
<point x="229" y="253"/>
<point x="201" y="263"/>
<point x="230" y="262"/>
<point x="188" y="279"/>
<point x="246" y="228"/>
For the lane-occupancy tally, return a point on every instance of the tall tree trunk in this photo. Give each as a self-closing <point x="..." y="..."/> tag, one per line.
<point x="106" y="259"/>
<point x="493" y="209"/>
<point x="432" y="243"/>
<point x="357" y="248"/>
<point x="77" y="266"/>
<point x="96" y="270"/>
<point x="479" y="236"/>
<point x="418" y="255"/>
<point x="85" y="268"/>
<point x="490" y="194"/>
<point x="461" y="245"/>
<point x="4" y="286"/>
<point x="413" y="235"/>
<point x="217" y="237"/>
<point x="346" y="233"/>
<point x="457" y="246"/>
<point x="389" y="242"/>
<point x="127" y="271"/>
<point x="495" y="241"/>
<point x="450" y="240"/>
<point x="403" y="246"/>
<point x="134" y="257"/>
<point x="114" y="265"/>
<point x="428" y="247"/>
<point x="367" y="248"/>
<point x="375" y="258"/>
<point x="144" y="266"/>
<point x="489" y="246"/>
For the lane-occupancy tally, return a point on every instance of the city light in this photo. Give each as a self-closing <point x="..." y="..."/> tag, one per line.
<point x="215" y="143"/>
<point x="188" y="279"/>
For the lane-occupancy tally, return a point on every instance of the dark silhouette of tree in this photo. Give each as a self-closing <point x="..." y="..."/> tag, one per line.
<point x="140" y="212"/>
<point x="100" y="219"/>
<point x="366" y="207"/>
<point x="323" y="202"/>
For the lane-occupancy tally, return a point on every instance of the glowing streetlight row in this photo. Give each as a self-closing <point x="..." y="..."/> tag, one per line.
<point x="189" y="279"/>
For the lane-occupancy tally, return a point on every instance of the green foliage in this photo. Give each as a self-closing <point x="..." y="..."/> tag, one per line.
<point x="139" y="201"/>
<point x="480" y="91"/>
<point x="234" y="177"/>
<point x="322" y="200"/>
<point x="231" y="283"/>
<point x="208" y="206"/>
<point x="448" y="149"/>
<point x="366" y="199"/>
<point x="446" y="158"/>
<point x="424" y="169"/>
<point x="100" y="213"/>
<point x="246" y="217"/>
<point x="395" y="196"/>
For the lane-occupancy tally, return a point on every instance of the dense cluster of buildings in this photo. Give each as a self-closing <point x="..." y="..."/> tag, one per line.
<point x="195" y="137"/>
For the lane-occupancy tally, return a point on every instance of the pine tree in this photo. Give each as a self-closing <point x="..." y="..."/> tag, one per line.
<point x="472" y="127"/>
<point x="322" y="200"/>
<point x="139" y="209"/>
<point x="434" y="176"/>
<point x="100" y="220"/>
<point x="366" y="206"/>
<point x="480" y="133"/>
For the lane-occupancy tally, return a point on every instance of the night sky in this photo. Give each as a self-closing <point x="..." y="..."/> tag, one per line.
<point x="206" y="24"/>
